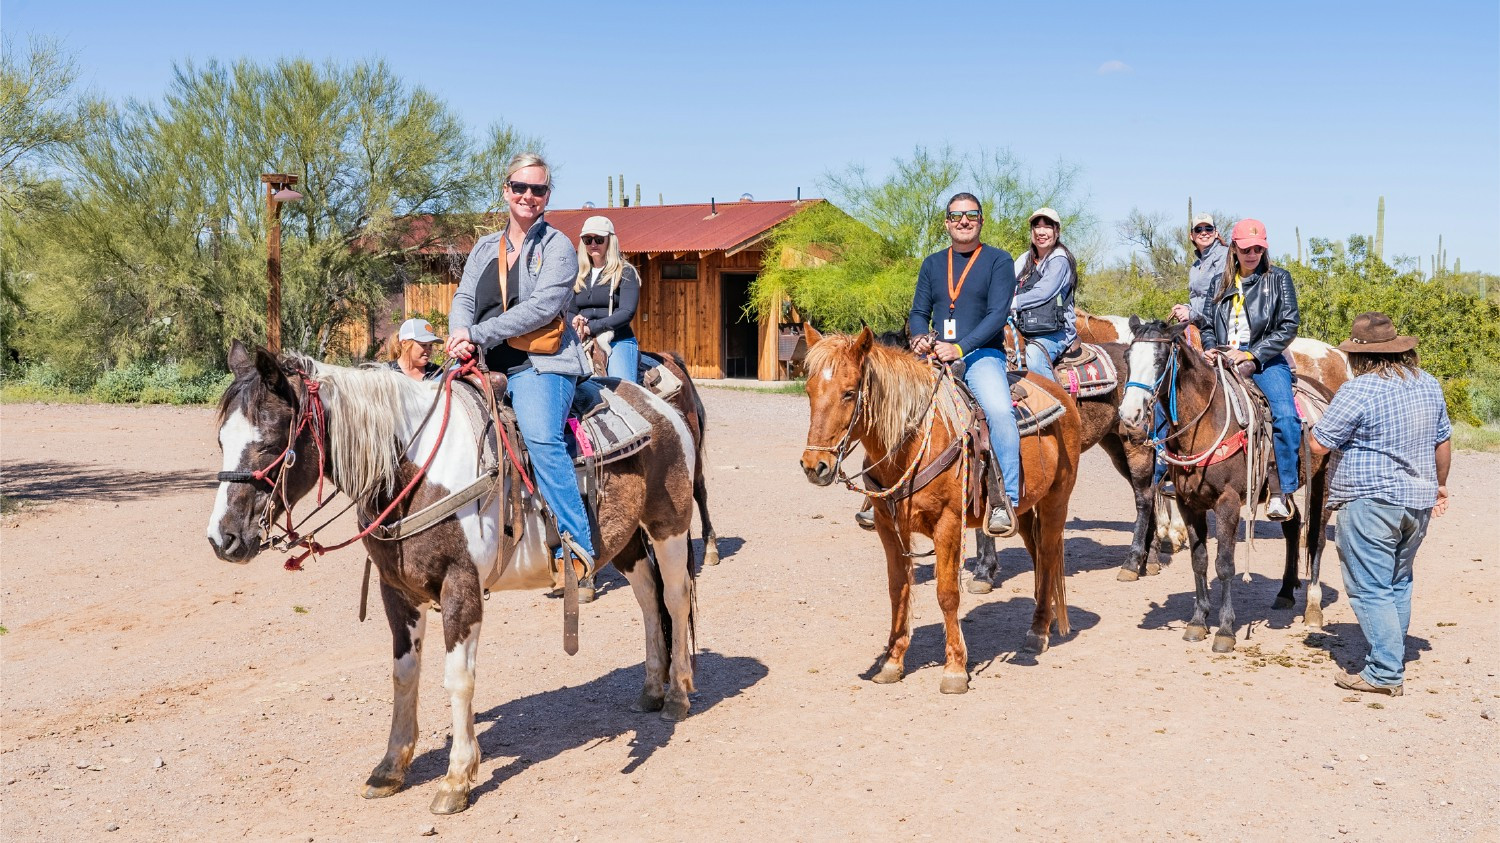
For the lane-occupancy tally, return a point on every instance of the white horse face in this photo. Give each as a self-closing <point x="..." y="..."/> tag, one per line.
<point x="1145" y="361"/>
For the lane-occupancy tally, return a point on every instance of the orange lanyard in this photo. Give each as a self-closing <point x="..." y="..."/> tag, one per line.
<point x="952" y="290"/>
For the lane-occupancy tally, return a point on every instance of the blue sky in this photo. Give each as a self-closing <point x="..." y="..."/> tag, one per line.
<point x="1301" y="114"/>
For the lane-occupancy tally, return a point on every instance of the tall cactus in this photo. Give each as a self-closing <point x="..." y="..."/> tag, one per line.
<point x="1298" y="229"/>
<point x="611" y="192"/>
<point x="1380" y="229"/>
<point x="637" y="194"/>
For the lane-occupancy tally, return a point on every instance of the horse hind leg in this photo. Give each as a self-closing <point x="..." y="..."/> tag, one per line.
<point x="700" y="495"/>
<point x="462" y="613"/>
<point x="1227" y="516"/>
<point x="1197" y="625"/>
<point x="674" y="564"/>
<point x="408" y="625"/>
<point x="1291" y="532"/>
<point x="646" y="585"/>
<point x="1317" y="538"/>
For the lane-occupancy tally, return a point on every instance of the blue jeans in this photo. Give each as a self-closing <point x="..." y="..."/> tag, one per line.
<point x="984" y="372"/>
<point x="542" y="401"/>
<point x="1159" y="432"/>
<point x="1377" y="544"/>
<point x="1042" y="351"/>
<point x="1275" y="380"/>
<point x="624" y="360"/>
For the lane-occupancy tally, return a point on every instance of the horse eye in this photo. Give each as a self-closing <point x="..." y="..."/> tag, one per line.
<point x="849" y="395"/>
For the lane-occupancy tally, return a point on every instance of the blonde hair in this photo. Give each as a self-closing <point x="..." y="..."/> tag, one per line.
<point x="612" y="271"/>
<point x="522" y="160"/>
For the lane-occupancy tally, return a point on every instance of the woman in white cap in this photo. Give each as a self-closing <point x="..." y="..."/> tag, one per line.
<point x="605" y="295"/>
<point x="1209" y="255"/>
<point x="1046" y="278"/>
<point x="411" y="353"/>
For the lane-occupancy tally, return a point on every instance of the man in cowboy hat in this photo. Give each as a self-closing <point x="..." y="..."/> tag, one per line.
<point x="1391" y="426"/>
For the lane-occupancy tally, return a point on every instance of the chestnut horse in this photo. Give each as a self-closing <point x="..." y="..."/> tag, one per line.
<point x="883" y="398"/>
<point x="1162" y="364"/>
<point x="287" y="422"/>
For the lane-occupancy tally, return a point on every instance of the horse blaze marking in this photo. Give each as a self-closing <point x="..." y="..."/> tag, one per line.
<point x="235" y="438"/>
<point x="828" y="373"/>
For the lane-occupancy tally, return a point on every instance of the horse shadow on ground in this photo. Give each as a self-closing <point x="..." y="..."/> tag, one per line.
<point x="1253" y="605"/>
<point x="543" y="726"/>
<point x="49" y="481"/>
<point x="609" y="579"/>
<point x="1345" y="643"/>
<point x="994" y="631"/>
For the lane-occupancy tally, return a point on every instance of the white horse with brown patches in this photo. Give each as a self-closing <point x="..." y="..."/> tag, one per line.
<point x="286" y="422"/>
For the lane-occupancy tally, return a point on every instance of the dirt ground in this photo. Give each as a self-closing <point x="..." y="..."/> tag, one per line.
<point x="155" y="692"/>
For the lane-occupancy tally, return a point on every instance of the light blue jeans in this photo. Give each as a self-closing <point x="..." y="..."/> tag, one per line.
<point x="541" y="401"/>
<point x="1377" y="544"/>
<point x="984" y="372"/>
<point x="1042" y="351"/>
<point x="1275" y="380"/>
<point x="624" y="360"/>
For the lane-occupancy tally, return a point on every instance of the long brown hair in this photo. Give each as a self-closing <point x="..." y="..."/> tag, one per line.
<point x="1387" y="364"/>
<point x="1232" y="268"/>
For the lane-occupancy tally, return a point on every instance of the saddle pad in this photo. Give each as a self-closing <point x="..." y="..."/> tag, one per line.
<point x="1034" y="408"/>
<point x="1090" y="372"/>
<point x="612" y="431"/>
<point x="656" y="377"/>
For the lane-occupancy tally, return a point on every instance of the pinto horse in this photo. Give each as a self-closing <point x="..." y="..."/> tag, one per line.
<point x="882" y="398"/>
<point x="286" y="423"/>
<point x="1163" y="365"/>
<point x="690" y="404"/>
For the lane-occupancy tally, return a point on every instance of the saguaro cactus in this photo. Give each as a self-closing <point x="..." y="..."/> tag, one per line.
<point x="611" y="192"/>
<point x="1380" y="229"/>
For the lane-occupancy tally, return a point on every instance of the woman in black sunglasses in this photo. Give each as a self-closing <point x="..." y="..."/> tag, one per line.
<point x="509" y="307"/>
<point x="1209" y="254"/>
<point x="605" y="295"/>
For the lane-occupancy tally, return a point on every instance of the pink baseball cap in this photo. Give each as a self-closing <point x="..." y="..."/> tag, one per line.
<point x="1249" y="233"/>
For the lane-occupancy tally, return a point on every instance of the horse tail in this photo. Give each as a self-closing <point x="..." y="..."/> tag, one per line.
<point x="659" y="589"/>
<point x="1060" y="601"/>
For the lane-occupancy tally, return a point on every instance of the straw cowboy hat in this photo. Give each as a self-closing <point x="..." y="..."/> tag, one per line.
<point x="1374" y="333"/>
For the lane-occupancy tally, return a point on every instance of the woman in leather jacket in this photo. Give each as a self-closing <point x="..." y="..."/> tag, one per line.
<point x="1250" y="322"/>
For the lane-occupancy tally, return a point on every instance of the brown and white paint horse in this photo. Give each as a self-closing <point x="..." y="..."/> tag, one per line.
<point x="370" y="434"/>
<point x="881" y="397"/>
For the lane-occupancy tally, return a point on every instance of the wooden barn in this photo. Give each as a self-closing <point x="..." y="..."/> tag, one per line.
<point x="696" y="264"/>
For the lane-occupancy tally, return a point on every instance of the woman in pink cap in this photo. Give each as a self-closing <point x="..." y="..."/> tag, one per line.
<point x="1250" y="322"/>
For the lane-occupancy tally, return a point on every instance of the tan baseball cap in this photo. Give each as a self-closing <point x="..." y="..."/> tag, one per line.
<point x="1202" y="219"/>
<point x="597" y="225"/>
<point x="1046" y="213"/>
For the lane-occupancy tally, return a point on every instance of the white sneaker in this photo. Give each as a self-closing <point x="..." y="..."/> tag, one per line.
<point x="1280" y="507"/>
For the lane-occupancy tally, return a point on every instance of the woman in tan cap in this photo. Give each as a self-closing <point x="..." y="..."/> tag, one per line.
<point x="605" y="296"/>
<point x="1391" y="426"/>
<point x="1046" y="278"/>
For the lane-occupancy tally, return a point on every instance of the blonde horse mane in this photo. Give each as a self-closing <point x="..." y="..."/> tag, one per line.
<point x="373" y="412"/>
<point x="898" y="385"/>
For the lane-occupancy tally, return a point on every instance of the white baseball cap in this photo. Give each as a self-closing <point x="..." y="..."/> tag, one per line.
<point x="416" y="329"/>
<point x="597" y="225"/>
<point x="1045" y="213"/>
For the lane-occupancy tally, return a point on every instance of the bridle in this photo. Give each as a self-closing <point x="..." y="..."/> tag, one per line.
<point x="1168" y="379"/>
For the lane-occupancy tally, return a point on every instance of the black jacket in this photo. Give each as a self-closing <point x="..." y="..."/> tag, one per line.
<point x="1271" y="309"/>
<point x="595" y="305"/>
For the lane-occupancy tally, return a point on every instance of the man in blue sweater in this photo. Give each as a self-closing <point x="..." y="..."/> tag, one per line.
<point x="963" y="295"/>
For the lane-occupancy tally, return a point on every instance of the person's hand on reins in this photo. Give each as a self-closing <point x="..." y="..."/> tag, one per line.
<point x="459" y="346"/>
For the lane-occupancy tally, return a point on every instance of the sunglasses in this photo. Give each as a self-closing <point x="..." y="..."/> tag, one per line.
<point x="1203" y="229"/>
<point x="971" y="216"/>
<point x="1251" y="250"/>
<point x="519" y="188"/>
<point x="594" y="240"/>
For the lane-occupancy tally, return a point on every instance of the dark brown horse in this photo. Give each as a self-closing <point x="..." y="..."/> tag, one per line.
<point x="883" y="398"/>
<point x="1162" y="362"/>
<point x="690" y="404"/>
<point x="284" y="420"/>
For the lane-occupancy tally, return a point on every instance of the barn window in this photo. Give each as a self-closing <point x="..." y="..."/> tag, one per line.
<point x="680" y="271"/>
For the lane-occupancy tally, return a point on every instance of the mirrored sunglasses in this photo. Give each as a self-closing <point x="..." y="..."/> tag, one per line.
<point x="1203" y="229"/>
<point x="972" y="216"/>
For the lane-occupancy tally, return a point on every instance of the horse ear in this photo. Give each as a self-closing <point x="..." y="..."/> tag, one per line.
<point x="813" y="337"/>
<point x="240" y="362"/>
<point x="269" y="367"/>
<point x="1135" y="323"/>
<point x="1179" y="330"/>
<point x="864" y="342"/>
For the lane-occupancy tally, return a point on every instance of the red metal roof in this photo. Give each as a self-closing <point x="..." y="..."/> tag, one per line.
<point x="645" y="228"/>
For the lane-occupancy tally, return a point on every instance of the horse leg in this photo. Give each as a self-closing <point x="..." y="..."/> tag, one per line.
<point x="408" y="624"/>
<point x="899" y="574"/>
<point x="674" y="565"/>
<point x="1197" y="524"/>
<point x="948" y="541"/>
<point x="646" y="584"/>
<point x="1138" y="472"/>
<point x="1227" y="516"/>
<point x="1291" y="531"/>
<point x="1041" y="529"/>
<point x="463" y="610"/>
<point x="1171" y="529"/>
<point x="1317" y="537"/>
<point x="700" y="494"/>
<point x="986" y="564"/>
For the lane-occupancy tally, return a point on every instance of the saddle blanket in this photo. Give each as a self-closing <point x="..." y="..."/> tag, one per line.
<point x="604" y="427"/>
<point x="1034" y="408"/>
<point x="1089" y="372"/>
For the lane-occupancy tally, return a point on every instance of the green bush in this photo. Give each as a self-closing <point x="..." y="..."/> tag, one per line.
<point x="120" y="386"/>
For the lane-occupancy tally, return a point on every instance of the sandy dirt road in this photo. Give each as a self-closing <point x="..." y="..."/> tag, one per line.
<point x="151" y="692"/>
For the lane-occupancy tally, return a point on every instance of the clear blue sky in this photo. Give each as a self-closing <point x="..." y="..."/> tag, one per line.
<point x="1300" y="113"/>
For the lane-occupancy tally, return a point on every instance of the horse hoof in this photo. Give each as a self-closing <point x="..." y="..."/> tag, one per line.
<point x="954" y="684"/>
<point x="450" y="801"/>
<point x="1153" y="568"/>
<point x="1127" y="575"/>
<point x="585" y="595"/>
<point x="674" y="711"/>
<point x="978" y="586"/>
<point x="380" y="786"/>
<point x="648" y="702"/>
<point x="1035" y="644"/>
<point x="1282" y="602"/>
<point x="1313" y="618"/>
<point x="1194" y="633"/>
<point x="1223" y="643"/>
<point x="889" y="674"/>
<point x="711" y="556"/>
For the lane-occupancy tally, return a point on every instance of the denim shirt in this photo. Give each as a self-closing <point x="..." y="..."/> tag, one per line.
<point x="548" y="266"/>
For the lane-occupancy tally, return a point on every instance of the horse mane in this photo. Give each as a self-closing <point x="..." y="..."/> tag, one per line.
<point x="373" y="413"/>
<point x="897" y="385"/>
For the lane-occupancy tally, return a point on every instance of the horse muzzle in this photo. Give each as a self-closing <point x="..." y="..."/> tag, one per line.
<point x="819" y="471"/>
<point x="234" y="547"/>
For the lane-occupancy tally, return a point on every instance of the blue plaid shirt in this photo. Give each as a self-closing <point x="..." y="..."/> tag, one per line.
<point x="1387" y="429"/>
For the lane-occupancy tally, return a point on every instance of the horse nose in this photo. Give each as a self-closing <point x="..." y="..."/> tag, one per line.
<point x="819" y="473"/>
<point x="228" y="548"/>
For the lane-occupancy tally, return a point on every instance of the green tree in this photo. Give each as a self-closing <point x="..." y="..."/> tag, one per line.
<point x="839" y="267"/>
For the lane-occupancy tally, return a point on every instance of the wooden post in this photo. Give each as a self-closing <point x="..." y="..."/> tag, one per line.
<point x="273" y="183"/>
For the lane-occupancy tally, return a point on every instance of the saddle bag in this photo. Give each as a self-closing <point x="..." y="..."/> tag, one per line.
<point x="544" y="340"/>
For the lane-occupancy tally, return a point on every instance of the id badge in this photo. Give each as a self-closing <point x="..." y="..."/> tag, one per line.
<point x="950" y="330"/>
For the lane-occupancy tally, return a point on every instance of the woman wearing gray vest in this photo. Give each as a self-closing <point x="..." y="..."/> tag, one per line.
<point x="1209" y="254"/>
<point x="1046" y="278"/>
